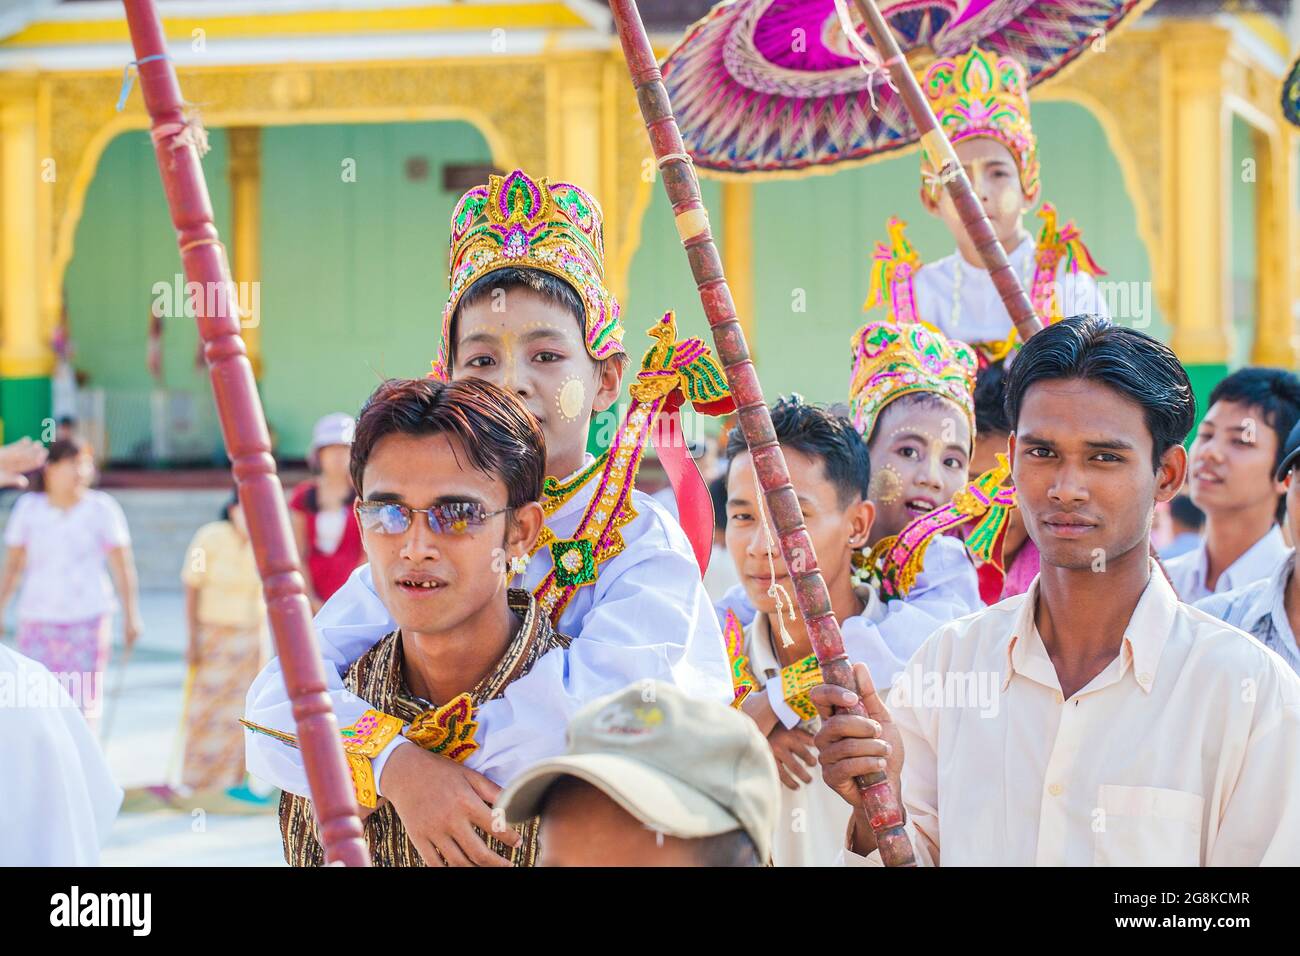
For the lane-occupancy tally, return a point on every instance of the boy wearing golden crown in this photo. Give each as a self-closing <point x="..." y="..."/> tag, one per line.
<point x="911" y="400"/>
<point x="981" y="101"/>
<point x="528" y="310"/>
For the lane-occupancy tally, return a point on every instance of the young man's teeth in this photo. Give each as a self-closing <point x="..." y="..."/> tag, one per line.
<point x="421" y="584"/>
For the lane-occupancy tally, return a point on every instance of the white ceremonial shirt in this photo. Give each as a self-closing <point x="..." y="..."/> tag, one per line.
<point x="646" y="617"/>
<point x="57" y="798"/>
<point x="1187" y="571"/>
<point x="1184" y="751"/>
<point x="978" y="314"/>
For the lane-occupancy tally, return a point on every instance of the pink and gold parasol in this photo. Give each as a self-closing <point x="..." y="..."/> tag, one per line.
<point x="770" y="86"/>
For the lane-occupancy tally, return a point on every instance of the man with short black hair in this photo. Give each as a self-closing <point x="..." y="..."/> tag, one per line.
<point x="1269" y="609"/>
<point x="1111" y="724"/>
<point x="652" y="778"/>
<point x="1238" y="448"/>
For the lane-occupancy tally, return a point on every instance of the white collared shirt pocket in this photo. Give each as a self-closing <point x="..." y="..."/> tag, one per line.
<point x="1147" y="826"/>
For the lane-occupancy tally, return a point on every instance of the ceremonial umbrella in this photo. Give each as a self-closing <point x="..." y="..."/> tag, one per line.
<point x="777" y="86"/>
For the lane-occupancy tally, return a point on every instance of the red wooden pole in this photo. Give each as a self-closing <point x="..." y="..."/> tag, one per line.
<point x="879" y="800"/>
<point x="243" y="427"/>
<point x="944" y="158"/>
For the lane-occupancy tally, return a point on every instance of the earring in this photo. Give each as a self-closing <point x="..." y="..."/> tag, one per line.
<point x="518" y="564"/>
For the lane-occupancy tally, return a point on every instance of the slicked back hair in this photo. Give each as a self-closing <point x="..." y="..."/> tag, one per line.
<point x="497" y="433"/>
<point x="1090" y="348"/>
<point x="821" y="434"/>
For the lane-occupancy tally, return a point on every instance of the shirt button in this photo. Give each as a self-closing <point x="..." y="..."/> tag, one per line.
<point x="1055" y="789"/>
<point x="1144" y="678"/>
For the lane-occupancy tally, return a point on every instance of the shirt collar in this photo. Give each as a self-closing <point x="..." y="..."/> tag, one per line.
<point x="1256" y="563"/>
<point x="1144" y="637"/>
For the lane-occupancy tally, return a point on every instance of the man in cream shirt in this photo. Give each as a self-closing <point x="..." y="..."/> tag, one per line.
<point x="1128" y="728"/>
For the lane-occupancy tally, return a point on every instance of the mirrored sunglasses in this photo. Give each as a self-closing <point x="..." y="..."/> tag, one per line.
<point x="455" y="517"/>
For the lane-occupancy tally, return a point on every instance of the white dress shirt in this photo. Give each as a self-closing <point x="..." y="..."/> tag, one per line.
<point x="646" y="617"/>
<point x="1187" y="571"/>
<point x="59" y="799"/>
<point x="978" y="314"/>
<point x="1184" y="751"/>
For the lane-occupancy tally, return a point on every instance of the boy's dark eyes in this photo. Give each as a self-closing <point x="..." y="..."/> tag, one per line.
<point x="549" y="356"/>
<point x="1039" y="452"/>
<point x="907" y="451"/>
<point x="479" y="361"/>
<point x="739" y="516"/>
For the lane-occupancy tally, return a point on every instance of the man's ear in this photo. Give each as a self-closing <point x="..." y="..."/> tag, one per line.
<point x="1011" y="455"/>
<point x="861" y="517"/>
<point x="609" y="384"/>
<point x="524" y="529"/>
<point x="1172" y="473"/>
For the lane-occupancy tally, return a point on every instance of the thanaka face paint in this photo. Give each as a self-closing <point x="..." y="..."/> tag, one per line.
<point x="569" y="399"/>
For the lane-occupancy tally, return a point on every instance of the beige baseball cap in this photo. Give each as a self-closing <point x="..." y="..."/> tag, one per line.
<point x="685" y="767"/>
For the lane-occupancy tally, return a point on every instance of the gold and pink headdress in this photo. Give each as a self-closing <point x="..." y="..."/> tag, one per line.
<point x="519" y="222"/>
<point x="892" y="360"/>
<point x="981" y="93"/>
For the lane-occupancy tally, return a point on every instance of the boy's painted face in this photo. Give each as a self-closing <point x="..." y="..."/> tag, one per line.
<point x="431" y="583"/>
<point x="995" y="178"/>
<point x="836" y="530"/>
<point x="1233" y="458"/>
<point x="524" y="344"/>
<point x="1081" y="461"/>
<point x="920" y="455"/>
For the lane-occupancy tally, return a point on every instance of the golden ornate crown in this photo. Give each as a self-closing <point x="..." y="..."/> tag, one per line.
<point x="983" y="94"/>
<point x="518" y="222"/>
<point x="891" y="360"/>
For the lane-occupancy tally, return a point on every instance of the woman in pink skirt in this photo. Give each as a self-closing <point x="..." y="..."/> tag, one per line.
<point x="63" y="541"/>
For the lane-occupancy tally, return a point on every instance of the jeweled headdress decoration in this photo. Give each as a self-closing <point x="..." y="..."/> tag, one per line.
<point x="980" y="93"/>
<point x="891" y="360"/>
<point x="516" y="221"/>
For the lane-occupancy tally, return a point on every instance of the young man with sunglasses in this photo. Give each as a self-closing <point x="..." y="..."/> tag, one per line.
<point x="528" y="311"/>
<point x="449" y="477"/>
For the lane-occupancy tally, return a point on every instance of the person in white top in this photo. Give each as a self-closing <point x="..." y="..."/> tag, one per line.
<point x="59" y="798"/>
<point x="981" y="101"/>
<point x="1238" y="448"/>
<point x="62" y="544"/>
<point x="1094" y="720"/>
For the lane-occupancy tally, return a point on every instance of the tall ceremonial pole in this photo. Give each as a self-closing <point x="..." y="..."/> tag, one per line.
<point x="243" y="426"/>
<point x="944" y="158"/>
<point x="882" y="805"/>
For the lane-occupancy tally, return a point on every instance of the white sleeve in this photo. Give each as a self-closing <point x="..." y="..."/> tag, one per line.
<point x="650" y="620"/>
<point x="346" y="627"/>
<point x="16" y="527"/>
<point x="921" y="761"/>
<point x="1259" y="824"/>
<point x="59" y="798"/>
<point x="736" y="601"/>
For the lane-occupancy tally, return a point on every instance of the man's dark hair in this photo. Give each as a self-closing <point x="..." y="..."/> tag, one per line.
<point x="1133" y="363"/>
<point x="718" y="492"/>
<point x="552" y="289"/>
<point x="1183" y="510"/>
<point x="1274" y="392"/>
<point x="818" y="433"/>
<point x="733" y="848"/>
<point x="498" y="434"/>
<point x="990" y="389"/>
